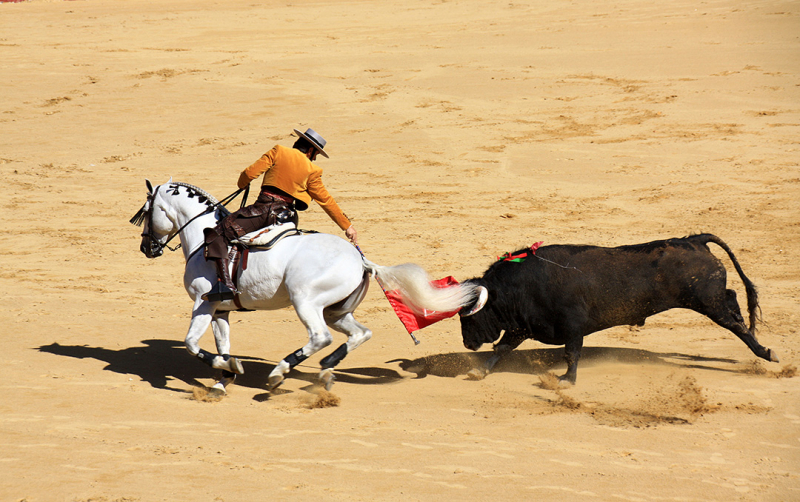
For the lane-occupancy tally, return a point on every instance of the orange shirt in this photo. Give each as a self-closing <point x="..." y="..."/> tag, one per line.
<point x="289" y="170"/>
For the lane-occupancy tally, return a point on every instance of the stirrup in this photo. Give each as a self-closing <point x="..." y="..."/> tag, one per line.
<point x="219" y="293"/>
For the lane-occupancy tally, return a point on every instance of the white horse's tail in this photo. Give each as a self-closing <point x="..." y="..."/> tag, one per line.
<point x="414" y="286"/>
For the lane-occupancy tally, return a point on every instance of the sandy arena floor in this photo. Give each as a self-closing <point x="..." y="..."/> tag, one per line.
<point x="458" y="130"/>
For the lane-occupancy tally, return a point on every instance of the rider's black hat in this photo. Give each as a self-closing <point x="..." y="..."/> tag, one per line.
<point x="315" y="139"/>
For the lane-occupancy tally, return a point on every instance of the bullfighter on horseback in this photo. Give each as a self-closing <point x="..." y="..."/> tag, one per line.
<point x="291" y="181"/>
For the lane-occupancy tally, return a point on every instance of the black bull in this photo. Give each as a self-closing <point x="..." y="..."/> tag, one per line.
<point x="564" y="292"/>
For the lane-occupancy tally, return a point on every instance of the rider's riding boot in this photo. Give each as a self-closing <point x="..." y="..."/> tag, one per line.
<point x="223" y="289"/>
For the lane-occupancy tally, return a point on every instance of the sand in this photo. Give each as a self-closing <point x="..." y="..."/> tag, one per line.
<point x="457" y="131"/>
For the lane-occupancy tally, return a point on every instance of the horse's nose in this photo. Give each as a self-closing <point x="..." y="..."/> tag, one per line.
<point x="150" y="249"/>
<point x="155" y="251"/>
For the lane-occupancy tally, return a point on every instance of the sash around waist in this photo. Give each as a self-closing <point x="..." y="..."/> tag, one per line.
<point x="275" y="193"/>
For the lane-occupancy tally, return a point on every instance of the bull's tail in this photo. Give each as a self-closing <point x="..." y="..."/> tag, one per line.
<point x="752" y="295"/>
<point x="414" y="286"/>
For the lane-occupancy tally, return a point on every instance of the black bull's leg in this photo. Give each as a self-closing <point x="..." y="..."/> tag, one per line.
<point x="572" y="353"/>
<point x="731" y="320"/>
<point x="510" y="341"/>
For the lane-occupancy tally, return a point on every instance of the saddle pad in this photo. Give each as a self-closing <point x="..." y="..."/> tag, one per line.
<point x="264" y="236"/>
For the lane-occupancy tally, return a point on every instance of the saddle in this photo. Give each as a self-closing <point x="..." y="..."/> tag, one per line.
<point x="262" y="239"/>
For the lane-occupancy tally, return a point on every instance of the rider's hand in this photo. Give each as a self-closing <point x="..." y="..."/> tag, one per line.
<point x="352" y="234"/>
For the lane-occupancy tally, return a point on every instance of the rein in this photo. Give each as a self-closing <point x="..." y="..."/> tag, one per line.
<point x="224" y="202"/>
<point x="158" y="247"/>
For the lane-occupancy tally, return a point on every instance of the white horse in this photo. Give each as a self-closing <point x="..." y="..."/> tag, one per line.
<point x="323" y="276"/>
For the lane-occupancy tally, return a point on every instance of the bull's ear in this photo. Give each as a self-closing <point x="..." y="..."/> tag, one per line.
<point x="149" y="186"/>
<point x="480" y="302"/>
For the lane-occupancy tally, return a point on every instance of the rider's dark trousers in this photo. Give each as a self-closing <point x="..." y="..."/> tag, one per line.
<point x="262" y="213"/>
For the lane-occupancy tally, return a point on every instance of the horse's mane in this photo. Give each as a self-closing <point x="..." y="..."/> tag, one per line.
<point x="210" y="199"/>
<point x="192" y="191"/>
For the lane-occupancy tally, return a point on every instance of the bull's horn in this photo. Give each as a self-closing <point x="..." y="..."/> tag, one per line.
<point x="483" y="296"/>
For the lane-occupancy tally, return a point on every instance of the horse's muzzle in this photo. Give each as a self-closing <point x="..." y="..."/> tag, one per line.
<point x="151" y="249"/>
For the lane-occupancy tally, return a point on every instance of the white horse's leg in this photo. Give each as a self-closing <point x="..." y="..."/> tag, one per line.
<point x="356" y="333"/>
<point x="221" y="328"/>
<point x="202" y="316"/>
<point x="319" y="337"/>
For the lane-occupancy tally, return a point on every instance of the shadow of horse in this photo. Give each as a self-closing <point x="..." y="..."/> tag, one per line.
<point x="158" y="362"/>
<point x="540" y="361"/>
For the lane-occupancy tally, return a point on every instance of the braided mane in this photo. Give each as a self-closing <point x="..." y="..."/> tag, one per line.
<point x="192" y="190"/>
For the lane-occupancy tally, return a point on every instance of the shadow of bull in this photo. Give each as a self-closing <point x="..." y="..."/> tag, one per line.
<point x="540" y="361"/>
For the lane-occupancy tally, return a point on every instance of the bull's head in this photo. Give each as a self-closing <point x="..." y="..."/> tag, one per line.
<point x="477" y="325"/>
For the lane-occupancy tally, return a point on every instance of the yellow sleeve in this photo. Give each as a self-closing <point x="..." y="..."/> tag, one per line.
<point x="258" y="168"/>
<point x="320" y="194"/>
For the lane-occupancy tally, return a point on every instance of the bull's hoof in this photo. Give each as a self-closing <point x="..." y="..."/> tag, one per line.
<point x="326" y="378"/>
<point x="477" y="374"/>
<point x="773" y="356"/>
<point x="566" y="382"/>
<point x="274" y="382"/>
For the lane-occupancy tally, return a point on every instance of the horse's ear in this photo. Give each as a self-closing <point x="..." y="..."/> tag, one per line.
<point x="149" y="186"/>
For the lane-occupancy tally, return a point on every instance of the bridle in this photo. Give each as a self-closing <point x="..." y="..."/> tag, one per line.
<point x="152" y="244"/>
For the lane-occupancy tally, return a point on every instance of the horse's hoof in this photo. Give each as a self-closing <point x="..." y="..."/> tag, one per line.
<point x="218" y="388"/>
<point x="216" y="393"/>
<point x="274" y="382"/>
<point x="235" y="366"/>
<point x="477" y="374"/>
<point x="326" y="378"/>
<point x="227" y="379"/>
<point x="773" y="356"/>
